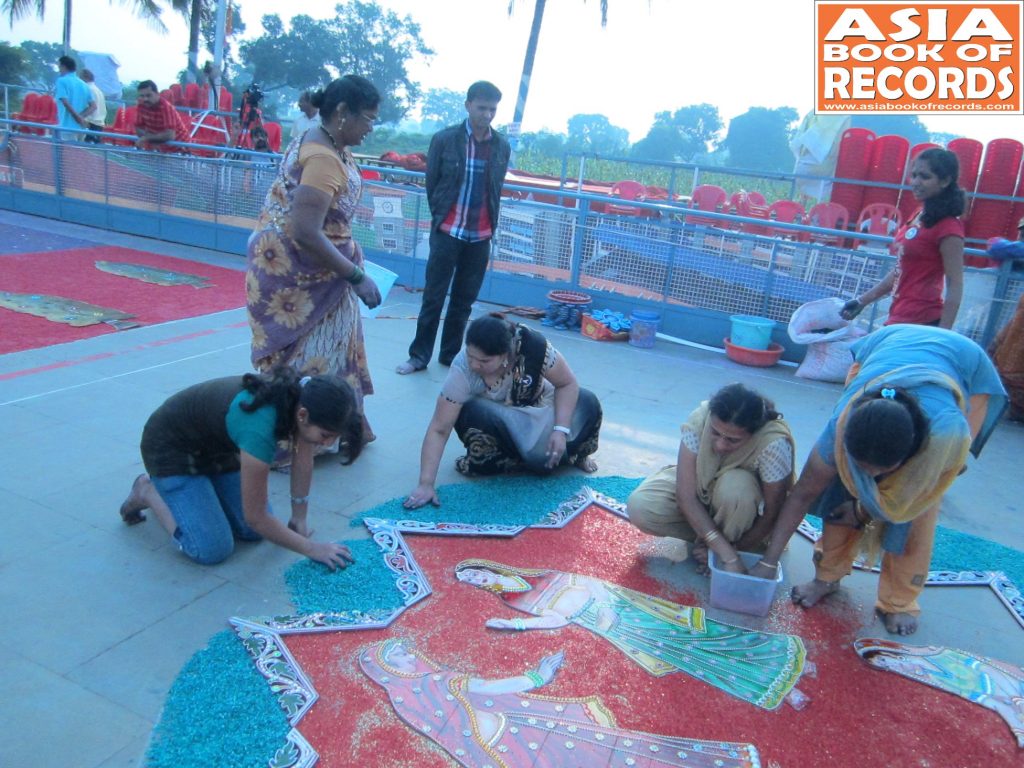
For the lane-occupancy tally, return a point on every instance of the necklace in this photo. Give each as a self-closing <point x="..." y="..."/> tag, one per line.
<point x="330" y="138"/>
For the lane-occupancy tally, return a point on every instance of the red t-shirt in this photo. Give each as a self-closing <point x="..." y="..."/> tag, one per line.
<point x="920" y="278"/>
<point x="161" y="118"/>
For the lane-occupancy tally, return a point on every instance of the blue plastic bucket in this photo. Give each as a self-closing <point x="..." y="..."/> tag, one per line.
<point x="643" y="328"/>
<point x="751" y="331"/>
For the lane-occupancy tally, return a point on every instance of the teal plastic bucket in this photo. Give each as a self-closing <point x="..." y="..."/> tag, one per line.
<point x="751" y="331"/>
<point x="643" y="328"/>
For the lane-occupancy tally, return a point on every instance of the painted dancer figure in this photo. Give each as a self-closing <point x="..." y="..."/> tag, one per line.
<point x="917" y="400"/>
<point x="305" y="274"/>
<point x="734" y="469"/>
<point x="497" y="723"/>
<point x="515" y="404"/>
<point x="993" y="684"/>
<point x="659" y="635"/>
<point x="208" y="451"/>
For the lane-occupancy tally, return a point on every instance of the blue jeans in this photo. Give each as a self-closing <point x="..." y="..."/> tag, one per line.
<point x="208" y="511"/>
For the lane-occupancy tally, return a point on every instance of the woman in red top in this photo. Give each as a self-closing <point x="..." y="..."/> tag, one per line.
<point x="929" y="249"/>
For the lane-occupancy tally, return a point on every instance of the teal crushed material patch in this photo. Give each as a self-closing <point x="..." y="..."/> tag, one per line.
<point x="220" y="711"/>
<point x="365" y="585"/>
<point x="510" y="500"/>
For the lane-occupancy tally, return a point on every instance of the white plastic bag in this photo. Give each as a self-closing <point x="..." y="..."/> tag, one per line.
<point x="816" y="316"/>
<point x="828" y="337"/>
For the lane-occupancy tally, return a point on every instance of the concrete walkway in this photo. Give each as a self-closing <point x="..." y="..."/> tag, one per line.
<point x="101" y="616"/>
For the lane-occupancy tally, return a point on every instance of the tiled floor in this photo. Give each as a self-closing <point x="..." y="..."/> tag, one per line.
<point x="101" y="617"/>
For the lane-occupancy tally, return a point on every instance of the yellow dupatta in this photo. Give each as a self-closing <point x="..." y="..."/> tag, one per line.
<point x="920" y="482"/>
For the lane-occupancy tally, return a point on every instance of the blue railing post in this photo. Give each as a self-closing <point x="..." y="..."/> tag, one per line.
<point x="576" y="263"/>
<point x="996" y="305"/>
<point x="416" y="237"/>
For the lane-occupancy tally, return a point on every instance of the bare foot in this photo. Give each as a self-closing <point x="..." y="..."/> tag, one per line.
<point x="898" y="623"/>
<point x="410" y="366"/>
<point x="586" y="464"/>
<point x="131" y="508"/>
<point x="807" y="595"/>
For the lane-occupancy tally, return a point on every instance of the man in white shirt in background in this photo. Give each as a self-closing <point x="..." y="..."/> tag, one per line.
<point x="97" y="118"/>
<point x="309" y="118"/>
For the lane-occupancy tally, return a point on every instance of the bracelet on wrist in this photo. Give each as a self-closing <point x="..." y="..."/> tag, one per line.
<point x="518" y="624"/>
<point x="710" y="536"/>
<point x="564" y="430"/>
<point x="730" y="562"/>
<point x="535" y="678"/>
<point x="357" y="275"/>
<point x="773" y="566"/>
<point x="300" y="499"/>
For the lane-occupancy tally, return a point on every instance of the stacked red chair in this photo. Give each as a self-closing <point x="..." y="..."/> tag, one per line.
<point x="29" y="113"/>
<point x="853" y="162"/>
<point x="191" y="95"/>
<point x="124" y="126"/>
<point x="909" y="204"/>
<point x="177" y="95"/>
<point x="999" y="170"/>
<point x="273" y="135"/>
<point x="888" y="162"/>
<point x="968" y="152"/>
<point x="788" y="212"/>
<point x="707" y="197"/>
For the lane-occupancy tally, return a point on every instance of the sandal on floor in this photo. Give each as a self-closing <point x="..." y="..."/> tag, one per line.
<point x="410" y="366"/>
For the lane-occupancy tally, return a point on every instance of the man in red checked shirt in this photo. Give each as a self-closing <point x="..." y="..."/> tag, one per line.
<point x="157" y="121"/>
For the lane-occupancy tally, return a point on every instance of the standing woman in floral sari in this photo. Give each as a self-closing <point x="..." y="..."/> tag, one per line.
<point x="305" y="271"/>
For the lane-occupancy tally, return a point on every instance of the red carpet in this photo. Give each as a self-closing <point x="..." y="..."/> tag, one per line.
<point x="71" y="274"/>
<point x="857" y="716"/>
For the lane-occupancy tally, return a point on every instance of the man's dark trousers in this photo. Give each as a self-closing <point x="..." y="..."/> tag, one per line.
<point x="468" y="263"/>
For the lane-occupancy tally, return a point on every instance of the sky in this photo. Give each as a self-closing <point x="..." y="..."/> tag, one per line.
<point x="653" y="56"/>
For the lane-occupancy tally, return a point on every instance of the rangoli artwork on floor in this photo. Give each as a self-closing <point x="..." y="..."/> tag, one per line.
<point x="643" y="624"/>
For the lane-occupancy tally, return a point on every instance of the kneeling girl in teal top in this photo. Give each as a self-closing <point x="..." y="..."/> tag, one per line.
<point x="208" y="451"/>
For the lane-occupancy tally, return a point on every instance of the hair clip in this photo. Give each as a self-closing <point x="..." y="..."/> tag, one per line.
<point x="304" y="380"/>
<point x="889" y="393"/>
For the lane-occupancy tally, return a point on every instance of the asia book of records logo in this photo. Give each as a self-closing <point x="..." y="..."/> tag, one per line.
<point x="918" y="58"/>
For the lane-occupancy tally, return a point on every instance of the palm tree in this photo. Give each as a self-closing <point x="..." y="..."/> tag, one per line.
<point x="193" y="11"/>
<point x="17" y="9"/>
<point x="531" y="52"/>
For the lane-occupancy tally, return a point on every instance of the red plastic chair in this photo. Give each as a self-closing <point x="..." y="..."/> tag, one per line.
<point x="879" y="219"/>
<point x="708" y="197"/>
<point x="47" y="106"/>
<point x="788" y="212"/>
<point x="744" y="204"/>
<point x="29" y="113"/>
<point x="827" y="216"/>
<point x="226" y="100"/>
<point x="627" y="190"/>
<point x="273" y="135"/>
<point x="177" y="95"/>
<point x="191" y="95"/>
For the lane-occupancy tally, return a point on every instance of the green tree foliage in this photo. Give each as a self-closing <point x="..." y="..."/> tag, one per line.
<point x="594" y="133"/>
<point x="907" y="126"/>
<point x="41" y="63"/>
<point x="362" y="39"/>
<point x="759" y="139"/>
<point x="683" y="135"/>
<point x="13" y="64"/>
<point x="443" y="106"/>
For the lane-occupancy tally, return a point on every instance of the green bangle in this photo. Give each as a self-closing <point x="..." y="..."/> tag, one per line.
<point x="518" y="625"/>
<point x="356" y="276"/>
<point x="535" y="678"/>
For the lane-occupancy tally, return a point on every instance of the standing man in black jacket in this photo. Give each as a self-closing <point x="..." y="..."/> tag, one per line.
<point x="466" y="167"/>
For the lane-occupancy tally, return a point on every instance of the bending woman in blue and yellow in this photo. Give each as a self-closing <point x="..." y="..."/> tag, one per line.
<point x="917" y="400"/>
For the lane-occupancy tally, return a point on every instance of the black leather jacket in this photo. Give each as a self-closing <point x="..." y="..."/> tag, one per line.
<point x="446" y="168"/>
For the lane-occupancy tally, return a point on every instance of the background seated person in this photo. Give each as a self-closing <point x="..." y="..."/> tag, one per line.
<point x="208" y="450"/>
<point x="157" y="121"/>
<point x="734" y="468"/>
<point x="514" y="403"/>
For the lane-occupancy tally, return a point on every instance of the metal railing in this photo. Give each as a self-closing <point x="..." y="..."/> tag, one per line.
<point x="695" y="268"/>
